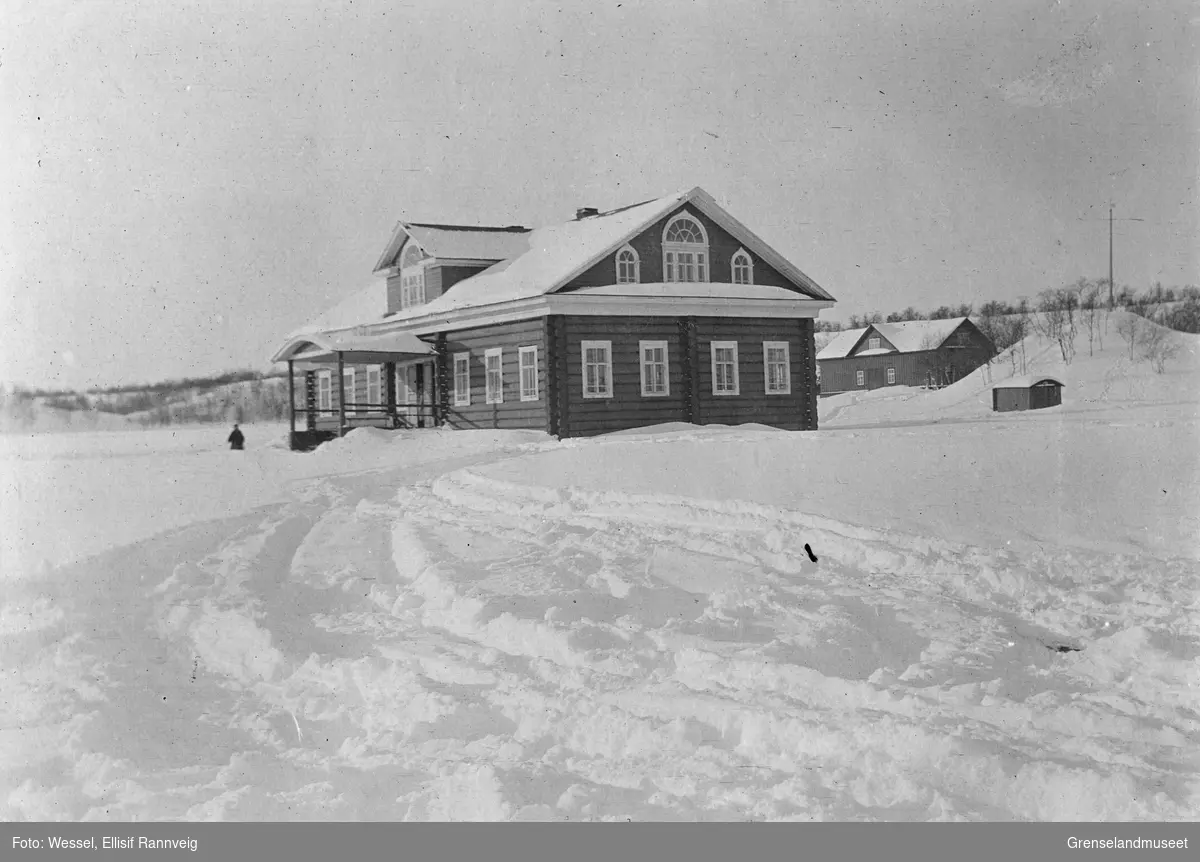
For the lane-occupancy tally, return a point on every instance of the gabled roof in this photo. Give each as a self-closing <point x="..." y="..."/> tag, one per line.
<point x="457" y="242"/>
<point x="559" y="253"/>
<point x="1026" y="380"/>
<point x="911" y="336"/>
<point x="539" y="262"/>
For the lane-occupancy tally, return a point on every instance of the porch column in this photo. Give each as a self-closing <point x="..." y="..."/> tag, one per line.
<point x="341" y="395"/>
<point x="310" y="400"/>
<point x="292" y="396"/>
<point x="389" y="389"/>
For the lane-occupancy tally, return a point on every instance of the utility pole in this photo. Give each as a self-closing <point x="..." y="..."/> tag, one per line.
<point x="1111" y="301"/>
<point x="1111" y="279"/>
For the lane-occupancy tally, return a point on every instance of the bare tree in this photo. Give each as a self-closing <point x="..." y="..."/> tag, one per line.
<point x="1158" y="346"/>
<point x="1129" y="327"/>
<point x="1056" y="319"/>
<point x="1090" y="305"/>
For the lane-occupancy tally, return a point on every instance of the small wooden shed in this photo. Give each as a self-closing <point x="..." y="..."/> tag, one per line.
<point x="1026" y="393"/>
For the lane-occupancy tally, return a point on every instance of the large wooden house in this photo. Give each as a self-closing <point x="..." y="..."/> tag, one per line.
<point x="669" y="310"/>
<point x="931" y="353"/>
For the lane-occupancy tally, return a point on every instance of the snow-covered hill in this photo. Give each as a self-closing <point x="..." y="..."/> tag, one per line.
<point x="952" y="615"/>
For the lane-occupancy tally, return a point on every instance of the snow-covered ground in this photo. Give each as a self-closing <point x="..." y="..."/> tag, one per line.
<point x="1002" y="621"/>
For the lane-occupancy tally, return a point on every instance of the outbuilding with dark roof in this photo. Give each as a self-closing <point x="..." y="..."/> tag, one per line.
<point x="1030" y="392"/>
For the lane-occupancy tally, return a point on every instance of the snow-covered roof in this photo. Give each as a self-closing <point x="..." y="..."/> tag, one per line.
<point x="914" y="335"/>
<point x="319" y="346"/>
<point x="448" y="241"/>
<point x="908" y="337"/>
<point x="842" y="344"/>
<point x="558" y="253"/>
<point x="367" y="305"/>
<point x="542" y="261"/>
<point x="457" y="242"/>
<point x="1026" y="380"/>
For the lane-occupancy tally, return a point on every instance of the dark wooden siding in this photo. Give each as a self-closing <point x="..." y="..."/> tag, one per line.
<point x="648" y="244"/>
<point x="839" y="375"/>
<point x="393" y="294"/>
<point x="452" y="275"/>
<point x="513" y="413"/>
<point x="628" y="408"/>
<point x="752" y="404"/>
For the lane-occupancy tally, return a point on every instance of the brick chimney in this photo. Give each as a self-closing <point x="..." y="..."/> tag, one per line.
<point x="586" y="212"/>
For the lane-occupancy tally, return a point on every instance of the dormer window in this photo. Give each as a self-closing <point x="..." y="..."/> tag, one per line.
<point x="412" y="277"/>
<point x="743" y="268"/>
<point x="628" y="266"/>
<point x="872" y="344"/>
<point x="685" y="250"/>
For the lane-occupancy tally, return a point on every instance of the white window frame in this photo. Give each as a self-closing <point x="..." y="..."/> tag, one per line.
<point x="891" y="376"/>
<point x="644" y="366"/>
<point x="768" y="346"/>
<point x="741" y="260"/>
<point x="348" y="388"/>
<point x="873" y="343"/>
<point x="637" y="265"/>
<point x="462" y="394"/>
<point x="324" y="390"/>
<point x="375" y="390"/>
<point x="672" y="250"/>
<point x="607" y="390"/>
<point x="412" y="278"/>
<point x="725" y="345"/>
<point x="860" y="378"/>
<point x="528" y="393"/>
<point x="493" y="394"/>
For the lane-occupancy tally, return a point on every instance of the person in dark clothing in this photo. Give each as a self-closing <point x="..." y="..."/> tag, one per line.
<point x="236" y="439"/>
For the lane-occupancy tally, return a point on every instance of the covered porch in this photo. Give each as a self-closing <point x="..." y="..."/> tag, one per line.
<point x="346" y="380"/>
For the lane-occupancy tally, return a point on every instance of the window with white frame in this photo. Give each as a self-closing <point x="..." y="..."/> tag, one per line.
<point x="655" y="381"/>
<point x="858" y="378"/>
<point x="324" y="390"/>
<point x="891" y="374"/>
<point x="493" y="366"/>
<point x="412" y="277"/>
<point x="777" y="368"/>
<point x="374" y="384"/>
<point x="685" y="250"/>
<point x="872" y="344"/>
<point x="348" y="385"/>
<point x="628" y="266"/>
<point x="725" y="368"/>
<point x="528" y="362"/>
<point x="597" y="369"/>
<point x="462" y="379"/>
<point x="743" y="268"/>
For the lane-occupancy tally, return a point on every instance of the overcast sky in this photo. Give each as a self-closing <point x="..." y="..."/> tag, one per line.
<point x="183" y="184"/>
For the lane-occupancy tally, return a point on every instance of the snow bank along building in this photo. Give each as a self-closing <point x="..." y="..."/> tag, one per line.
<point x="669" y="310"/>
<point x="916" y="353"/>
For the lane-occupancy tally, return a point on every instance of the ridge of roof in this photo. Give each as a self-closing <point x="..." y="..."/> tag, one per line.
<point x="514" y="228"/>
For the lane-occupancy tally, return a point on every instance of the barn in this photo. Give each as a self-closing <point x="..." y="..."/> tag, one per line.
<point x="932" y="353"/>
<point x="670" y="310"/>
<point x="1026" y="393"/>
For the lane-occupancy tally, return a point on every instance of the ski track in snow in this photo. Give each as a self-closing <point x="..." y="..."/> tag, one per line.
<point x="499" y="651"/>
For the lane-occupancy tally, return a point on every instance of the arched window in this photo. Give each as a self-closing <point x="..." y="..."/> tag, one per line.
<point x="412" y="277"/>
<point x="743" y="268"/>
<point x="685" y="250"/>
<point x="628" y="266"/>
